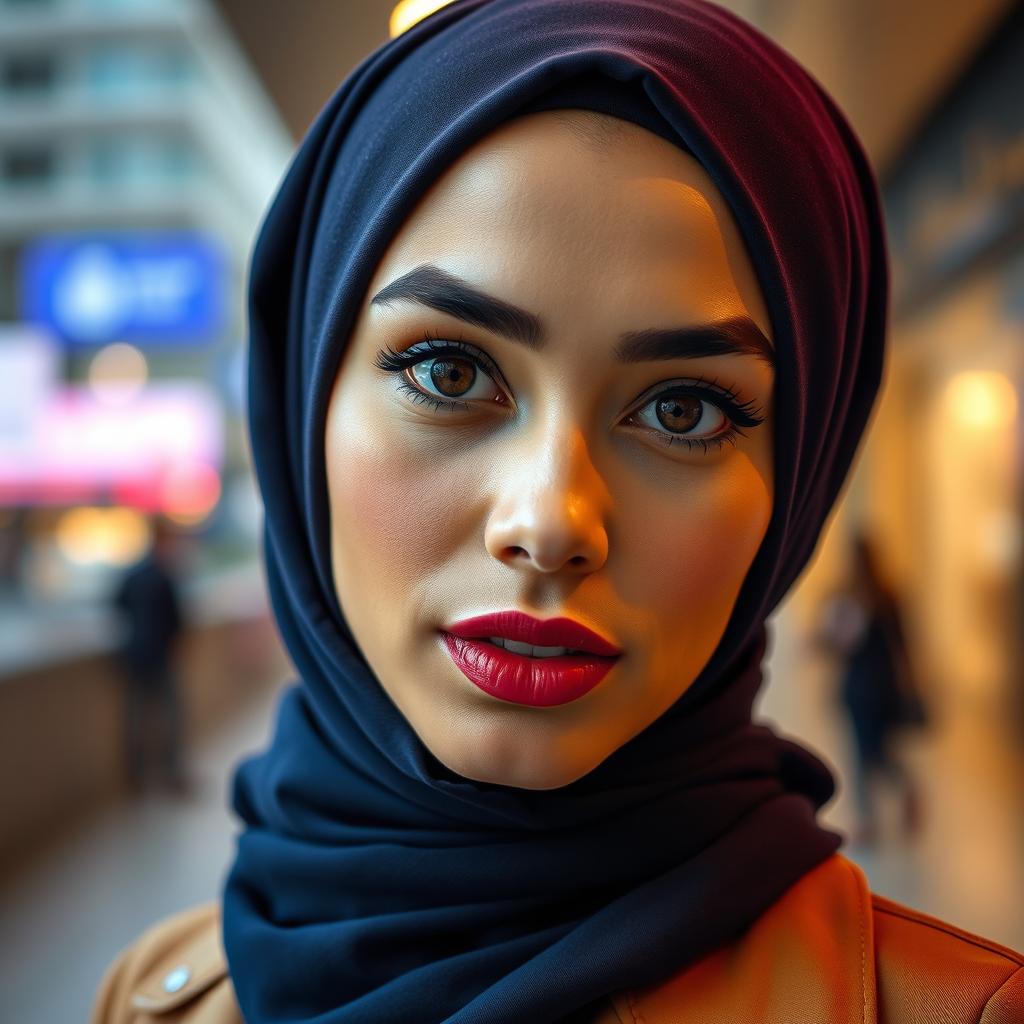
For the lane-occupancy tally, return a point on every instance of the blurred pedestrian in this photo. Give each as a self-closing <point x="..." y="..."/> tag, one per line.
<point x="149" y="601"/>
<point x="863" y="625"/>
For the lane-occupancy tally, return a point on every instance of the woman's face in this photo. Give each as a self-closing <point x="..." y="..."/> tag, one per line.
<point x="584" y="471"/>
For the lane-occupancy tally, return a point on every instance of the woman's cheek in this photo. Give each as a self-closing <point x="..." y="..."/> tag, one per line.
<point x="745" y="509"/>
<point x="702" y="554"/>
<point x="391" y="509"/>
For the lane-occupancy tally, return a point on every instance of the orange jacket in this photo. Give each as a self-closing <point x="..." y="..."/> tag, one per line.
<point x="828" y="951"/>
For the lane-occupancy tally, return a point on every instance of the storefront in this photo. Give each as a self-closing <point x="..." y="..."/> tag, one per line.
<point x="940" y="481"/>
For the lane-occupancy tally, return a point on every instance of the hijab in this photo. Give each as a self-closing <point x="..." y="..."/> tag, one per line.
<point x="371" y="883"/>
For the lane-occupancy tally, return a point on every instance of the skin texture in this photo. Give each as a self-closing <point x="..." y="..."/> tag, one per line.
<point x="553" y="492"/>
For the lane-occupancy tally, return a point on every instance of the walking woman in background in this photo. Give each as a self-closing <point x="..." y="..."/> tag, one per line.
<point x="566" y="323"/>
<point x="863" y="626"/>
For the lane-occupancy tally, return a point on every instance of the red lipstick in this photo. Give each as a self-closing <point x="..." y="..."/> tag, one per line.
<point x="541" y="679"/>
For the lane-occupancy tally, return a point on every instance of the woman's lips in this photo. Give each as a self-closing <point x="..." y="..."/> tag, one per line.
<point x="522" y="678"/>
<point x="540" y="682"/>
<point x="516" y="625"/>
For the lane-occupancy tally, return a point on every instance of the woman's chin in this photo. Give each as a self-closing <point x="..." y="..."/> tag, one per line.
<point x="515" y="770"/>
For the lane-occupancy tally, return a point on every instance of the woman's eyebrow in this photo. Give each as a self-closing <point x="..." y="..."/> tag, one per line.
<point x="431" y="286"/>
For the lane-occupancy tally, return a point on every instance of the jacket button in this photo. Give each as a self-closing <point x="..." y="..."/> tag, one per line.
<point x="175" y="980"/>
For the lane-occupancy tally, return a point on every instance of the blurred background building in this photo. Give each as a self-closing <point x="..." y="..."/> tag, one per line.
<point x="140" y="141"/>
<point x="137" y="151"/>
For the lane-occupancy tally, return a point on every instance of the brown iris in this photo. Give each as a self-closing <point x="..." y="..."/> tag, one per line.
<point x="448" y="374"/>
<point x="679" y="412"/>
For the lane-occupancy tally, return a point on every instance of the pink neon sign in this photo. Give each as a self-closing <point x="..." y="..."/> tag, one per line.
<point x="160" y="449"/>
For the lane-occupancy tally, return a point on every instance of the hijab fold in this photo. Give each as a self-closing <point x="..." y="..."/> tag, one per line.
<point x="371" y="883"/>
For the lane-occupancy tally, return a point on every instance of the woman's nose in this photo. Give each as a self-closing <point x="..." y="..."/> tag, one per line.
<point x="550" y="507"/>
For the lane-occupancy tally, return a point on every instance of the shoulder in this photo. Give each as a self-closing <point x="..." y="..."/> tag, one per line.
<point x="927" y="967"/>
<point x="174" y="973"/>
<point x="831" y="951"/>
<point x="827" y="950"/>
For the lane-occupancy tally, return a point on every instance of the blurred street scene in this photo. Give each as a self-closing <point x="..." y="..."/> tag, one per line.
<point x="140" y="141"/>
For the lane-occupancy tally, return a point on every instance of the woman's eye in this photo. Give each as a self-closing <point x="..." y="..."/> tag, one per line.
<point x="698" y="413"/>
<point x="453" y="378"/>
<point x="683" y="415"/>
<point x="450" y="378"/>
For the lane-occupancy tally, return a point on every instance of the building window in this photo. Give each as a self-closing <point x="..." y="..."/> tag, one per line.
<point x="28" y="73"/>
<point x="120" y="70"/>
<point x="141" y="159"/>
<point x="28" y="166"/>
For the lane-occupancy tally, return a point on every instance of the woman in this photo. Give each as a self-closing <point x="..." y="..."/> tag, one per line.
<point x="863" y="625"/>
<point x="566" y="310"/>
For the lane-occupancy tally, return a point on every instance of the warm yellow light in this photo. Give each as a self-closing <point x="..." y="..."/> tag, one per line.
<point x="408" y="12"/>
<point x="108" y="536"/>
<point x="982" y="399"/>
<point x="117" y="373"/>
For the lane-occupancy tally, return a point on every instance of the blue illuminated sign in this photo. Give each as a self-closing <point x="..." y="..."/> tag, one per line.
<point x="151" y="289"/>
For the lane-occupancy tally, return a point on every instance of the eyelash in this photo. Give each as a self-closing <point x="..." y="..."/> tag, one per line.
<point x="724" y="398"/>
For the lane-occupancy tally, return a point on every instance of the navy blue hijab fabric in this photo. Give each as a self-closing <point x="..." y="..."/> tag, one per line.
<point x="372" y="883"/>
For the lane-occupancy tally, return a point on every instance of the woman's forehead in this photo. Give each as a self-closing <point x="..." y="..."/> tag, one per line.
<point x="535" y="207"/>
<point x="539" y="164"/>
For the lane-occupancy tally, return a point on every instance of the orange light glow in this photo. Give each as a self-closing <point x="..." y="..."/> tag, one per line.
<point x="982" y="399"/>
<point x="408" y="12"/>
<point x="102" y="536"/>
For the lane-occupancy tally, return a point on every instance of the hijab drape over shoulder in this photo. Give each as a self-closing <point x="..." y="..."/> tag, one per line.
<point x="372" y="883"/>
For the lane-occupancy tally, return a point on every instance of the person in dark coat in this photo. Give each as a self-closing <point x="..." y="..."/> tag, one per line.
<point x="877" y="689"/>
<point x="148" y="600"/>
